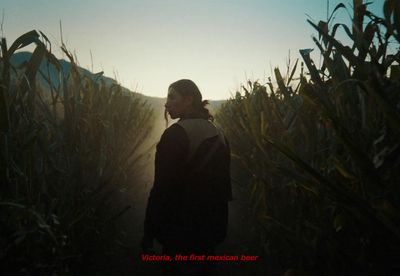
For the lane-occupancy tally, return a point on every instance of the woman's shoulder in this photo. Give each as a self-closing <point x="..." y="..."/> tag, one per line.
<point x="198" y="126"/>
<point x="174" y="133"/>
<point x="174" y="129"/>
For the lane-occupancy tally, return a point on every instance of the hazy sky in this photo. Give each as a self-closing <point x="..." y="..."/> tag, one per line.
<point x="150" y="44"/>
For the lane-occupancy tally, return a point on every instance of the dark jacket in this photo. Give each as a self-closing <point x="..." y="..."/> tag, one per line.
<point x="188" y="203"/>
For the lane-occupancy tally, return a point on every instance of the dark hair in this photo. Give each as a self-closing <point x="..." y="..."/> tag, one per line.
<point x="187" y="88"/>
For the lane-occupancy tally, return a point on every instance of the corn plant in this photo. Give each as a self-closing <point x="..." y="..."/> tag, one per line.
<point x="323" y="158"/>
<point x="68" y="149"/>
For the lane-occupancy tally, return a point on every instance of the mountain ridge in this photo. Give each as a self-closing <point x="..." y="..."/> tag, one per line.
<point x="19" y="58"/>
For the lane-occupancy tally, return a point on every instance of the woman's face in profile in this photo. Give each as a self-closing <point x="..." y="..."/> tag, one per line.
<point x="176" y="104"/>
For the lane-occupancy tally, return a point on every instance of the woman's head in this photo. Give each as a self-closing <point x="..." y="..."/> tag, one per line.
<point x="185" y="100"/>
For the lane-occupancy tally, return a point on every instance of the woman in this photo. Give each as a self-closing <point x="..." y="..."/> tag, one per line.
<point x="187" y="210"/>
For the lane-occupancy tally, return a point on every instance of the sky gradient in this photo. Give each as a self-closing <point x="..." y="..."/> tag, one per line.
<point x="150" y="44"/>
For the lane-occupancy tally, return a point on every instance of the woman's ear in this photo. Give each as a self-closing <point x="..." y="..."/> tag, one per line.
<point x="188" y="100"/>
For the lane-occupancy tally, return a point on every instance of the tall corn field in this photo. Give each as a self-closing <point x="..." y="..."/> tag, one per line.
<point x="320" y="151"/>
<point x="67" y="152"/>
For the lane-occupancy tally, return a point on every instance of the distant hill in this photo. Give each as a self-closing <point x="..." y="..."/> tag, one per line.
<point x="20" y="58"/>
